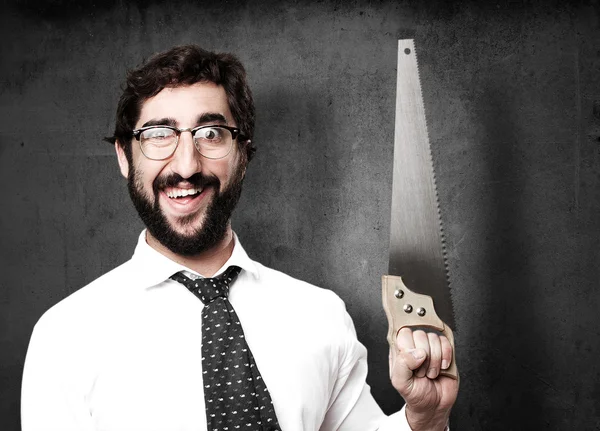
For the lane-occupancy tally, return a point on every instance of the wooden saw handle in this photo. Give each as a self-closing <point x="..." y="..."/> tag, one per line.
<point x="405" y="308"/>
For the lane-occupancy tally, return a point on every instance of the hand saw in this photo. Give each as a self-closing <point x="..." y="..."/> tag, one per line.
<point x="417" y="251"/>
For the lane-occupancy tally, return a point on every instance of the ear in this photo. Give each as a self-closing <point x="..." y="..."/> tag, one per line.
<point x="245" y="158"/>
<point x="122" y="158"/>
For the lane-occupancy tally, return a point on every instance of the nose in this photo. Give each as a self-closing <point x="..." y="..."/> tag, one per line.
<point x="186" y="160"/>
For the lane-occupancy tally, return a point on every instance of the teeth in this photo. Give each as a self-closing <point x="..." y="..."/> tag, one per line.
<point x="178" y="193"/>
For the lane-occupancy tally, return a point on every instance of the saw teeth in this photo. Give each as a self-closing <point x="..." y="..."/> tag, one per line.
<point x="435" y="189"/>
<point x="437" y="200"/>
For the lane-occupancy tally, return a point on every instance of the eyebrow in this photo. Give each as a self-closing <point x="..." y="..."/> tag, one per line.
<point x="210" y="117"/>
<point x="161" y="122"/>
<point x="207" y="117"/>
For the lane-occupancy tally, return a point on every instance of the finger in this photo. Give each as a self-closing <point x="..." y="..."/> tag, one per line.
<point x="409" y="357"/>
<point x="422" y="342"/>
<point x="404" y="339"/>
<point x="435" y="355"/>
<point x="446" y="352"/>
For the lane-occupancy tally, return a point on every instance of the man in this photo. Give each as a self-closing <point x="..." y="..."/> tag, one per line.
<point x="135" y="350"/>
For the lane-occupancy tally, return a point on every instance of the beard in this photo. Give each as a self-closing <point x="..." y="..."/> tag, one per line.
<point x="209" y="232"/>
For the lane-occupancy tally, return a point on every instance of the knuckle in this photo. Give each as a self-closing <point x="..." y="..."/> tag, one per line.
<point x="447" y="350"/>
<point x="404" y="330"/>
<point x="433" y="336"/>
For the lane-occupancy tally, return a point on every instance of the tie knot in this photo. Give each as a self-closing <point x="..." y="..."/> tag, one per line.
<point x="207" y="289"/>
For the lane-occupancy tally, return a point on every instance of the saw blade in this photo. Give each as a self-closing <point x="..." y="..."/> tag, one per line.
<point x="417" y="250"/>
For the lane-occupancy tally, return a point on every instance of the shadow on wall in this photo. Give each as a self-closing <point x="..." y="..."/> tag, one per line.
<point x="289" y="187"/>
<point x="508" y="324"/>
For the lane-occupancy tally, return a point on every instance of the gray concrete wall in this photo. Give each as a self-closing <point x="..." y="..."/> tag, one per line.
<point x="512" y="91"/>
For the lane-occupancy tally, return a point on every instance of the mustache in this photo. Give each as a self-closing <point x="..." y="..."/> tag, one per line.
<point x="198" y="180"/>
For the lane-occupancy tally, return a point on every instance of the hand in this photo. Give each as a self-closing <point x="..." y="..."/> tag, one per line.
<point x="414" y="371"/>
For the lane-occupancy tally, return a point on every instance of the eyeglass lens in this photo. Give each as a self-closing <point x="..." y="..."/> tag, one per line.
<point x="159" y="143"/>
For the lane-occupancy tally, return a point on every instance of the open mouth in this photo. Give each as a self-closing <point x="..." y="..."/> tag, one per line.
<point x="181" y="197"/>
<point x="184" y="201"/>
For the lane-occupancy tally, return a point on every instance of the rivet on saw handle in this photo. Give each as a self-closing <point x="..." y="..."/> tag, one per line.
<point x="399" y="302"/>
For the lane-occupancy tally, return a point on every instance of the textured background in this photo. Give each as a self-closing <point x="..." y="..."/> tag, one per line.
<point x="512" y="91"/>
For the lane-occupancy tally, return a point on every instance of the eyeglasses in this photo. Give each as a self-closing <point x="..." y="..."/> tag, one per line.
<point x="160" y="142"/>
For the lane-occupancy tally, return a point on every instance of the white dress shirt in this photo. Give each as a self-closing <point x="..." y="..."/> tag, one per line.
<point x="123" y="353"/>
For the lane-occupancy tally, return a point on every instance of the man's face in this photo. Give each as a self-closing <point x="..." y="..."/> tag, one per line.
<point x="185" y="201"/>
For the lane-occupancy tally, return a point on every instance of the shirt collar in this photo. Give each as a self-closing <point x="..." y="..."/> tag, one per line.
<point x="153" y="268"/>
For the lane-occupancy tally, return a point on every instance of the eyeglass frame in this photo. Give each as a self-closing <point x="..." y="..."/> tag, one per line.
<point x="235" y="132"/>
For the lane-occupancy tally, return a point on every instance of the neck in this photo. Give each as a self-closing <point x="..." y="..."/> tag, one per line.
<point x="206" y="263"/>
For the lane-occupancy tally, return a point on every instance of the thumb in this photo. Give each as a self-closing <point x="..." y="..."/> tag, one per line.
<point x="413" y="358"/>
<point x="406" y="361"/>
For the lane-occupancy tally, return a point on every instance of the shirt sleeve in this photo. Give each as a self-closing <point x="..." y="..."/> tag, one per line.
<point x="352" y="406"/>
<point x="52" y="397"/>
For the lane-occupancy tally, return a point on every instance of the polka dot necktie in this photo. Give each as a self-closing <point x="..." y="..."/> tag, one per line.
<point x="235" y="395"/>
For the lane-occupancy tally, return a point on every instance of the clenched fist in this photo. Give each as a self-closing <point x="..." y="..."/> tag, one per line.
<point x="415" y="368"/>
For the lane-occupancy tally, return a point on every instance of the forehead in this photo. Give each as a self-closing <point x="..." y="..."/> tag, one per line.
<point x="185" y="104"/>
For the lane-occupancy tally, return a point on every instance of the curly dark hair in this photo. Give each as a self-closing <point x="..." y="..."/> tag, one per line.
<point x="186" y="65"/>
